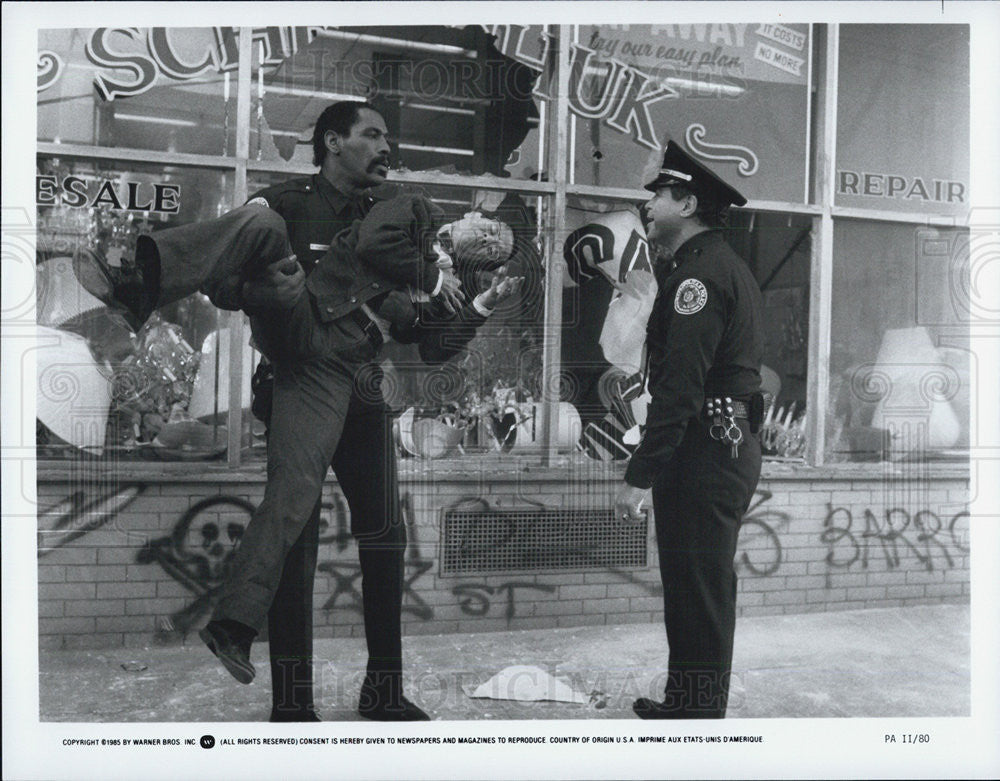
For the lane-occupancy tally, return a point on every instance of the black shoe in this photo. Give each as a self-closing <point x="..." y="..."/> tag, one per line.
<point x="646" y="708"/>
<point x="306" y="714"/>
<point x="387" y="703"/>
<point x="232" y="652"/>
<point x="124" y="290"/>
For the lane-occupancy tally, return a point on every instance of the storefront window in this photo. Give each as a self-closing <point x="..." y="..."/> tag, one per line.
<point x="608" y="291"/>
<point x="105" y="391"/>
<point x="475" y="100"/>
<point x="899" y="356"/>
<point x="777" y="248"/>
<point x="908" y="87"/>
<point x="459" y="100"/>
<point x="734" y="95"/>
<point x="899" y="347"/>
<point x="163" y="89"/>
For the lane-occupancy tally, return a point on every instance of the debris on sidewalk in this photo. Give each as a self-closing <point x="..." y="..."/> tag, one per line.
<point x="528" y="683"/>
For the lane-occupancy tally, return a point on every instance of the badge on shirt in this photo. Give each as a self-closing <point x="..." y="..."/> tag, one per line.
<point x="259" y="201"/>
<point x="691" y="297"/>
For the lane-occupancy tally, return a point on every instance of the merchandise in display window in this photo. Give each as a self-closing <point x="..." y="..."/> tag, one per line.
<point x="899" y="359"/>
<point x="105" y="390"/>
<point x="608" y="291"/>
<point x="487" y="398"/>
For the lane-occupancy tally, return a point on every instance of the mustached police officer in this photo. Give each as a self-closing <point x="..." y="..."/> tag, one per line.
<point x="700" y="452"/>
<point x="350" y="146"/>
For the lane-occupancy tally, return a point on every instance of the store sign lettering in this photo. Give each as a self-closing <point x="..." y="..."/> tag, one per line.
<point x="133" y="59"/>
<point x="898" y="187"/>
<point x="727" y="34"/>
<point x="779" y="59"/>
<point x="134" y="72"/>
<point x="625" y="100"/>
<point x="74" y="192"/>
<point x="606" y="88"/>
<point x="515" y="41"/>
<point x="784" y="35"/>
<point x="102" y="52"/>
<point x="50" y="68"/>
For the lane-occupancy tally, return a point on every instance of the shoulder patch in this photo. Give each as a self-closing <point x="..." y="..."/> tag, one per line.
<point x="691" y="297"/>
<point x="259" y="201"/>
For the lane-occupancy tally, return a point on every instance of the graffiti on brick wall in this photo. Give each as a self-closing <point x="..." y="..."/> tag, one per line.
<point x="893" y="537"/>
<point x="475" y="599"/>
<point x="346" y="575"/>
<point x="758" y="554"/>
<point x="201" y="544"/>
<point x="758" y="550"/>
<point x="196" y="554"/>
<point x="79" y="514"/>
<point x="199" y="548"/>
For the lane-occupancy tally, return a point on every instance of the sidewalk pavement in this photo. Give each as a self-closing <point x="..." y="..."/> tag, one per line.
<point x="911" y="661"/>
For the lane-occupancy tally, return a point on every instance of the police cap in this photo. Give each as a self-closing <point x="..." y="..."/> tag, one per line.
<point x="680" y="168"/>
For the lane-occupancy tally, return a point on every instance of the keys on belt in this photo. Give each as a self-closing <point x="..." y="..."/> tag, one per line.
<point x="723" y="411"/>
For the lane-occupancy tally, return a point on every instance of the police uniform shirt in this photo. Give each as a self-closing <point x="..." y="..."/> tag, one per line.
<point x="704" y="338"/>
<point x="314" y="212"/>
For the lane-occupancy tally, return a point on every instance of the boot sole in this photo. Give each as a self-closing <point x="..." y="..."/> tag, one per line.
<point x="244" y="673"/>
<point x="647" y="709"/>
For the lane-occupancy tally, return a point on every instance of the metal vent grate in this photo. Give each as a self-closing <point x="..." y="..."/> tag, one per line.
<point x="497" y="540"/>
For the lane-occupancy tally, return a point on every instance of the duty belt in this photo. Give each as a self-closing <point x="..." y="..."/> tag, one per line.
<point x="722" y="411"/>
<point x="740" y="408"/>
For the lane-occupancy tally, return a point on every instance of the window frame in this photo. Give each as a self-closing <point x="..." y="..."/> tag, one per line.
<point x="555" y="123"/>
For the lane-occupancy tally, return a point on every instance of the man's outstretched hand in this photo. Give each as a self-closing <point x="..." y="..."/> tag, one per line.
<point x="501" y="288"/>
<point x="278" y="286"/>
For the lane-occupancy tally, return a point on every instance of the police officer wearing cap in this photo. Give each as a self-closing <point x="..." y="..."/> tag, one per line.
<point x="700" y="451"/>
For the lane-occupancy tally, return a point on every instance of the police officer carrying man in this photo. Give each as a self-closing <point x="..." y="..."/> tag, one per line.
<point x="327" y="407"/>
<point x="315" y="208"/>
<point x="351" y="148"/>
<point x="700" y="451"/>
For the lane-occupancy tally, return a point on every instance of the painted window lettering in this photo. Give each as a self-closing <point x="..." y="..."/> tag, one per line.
<point x="79" y="193"/>
<point x="896" y="186"/>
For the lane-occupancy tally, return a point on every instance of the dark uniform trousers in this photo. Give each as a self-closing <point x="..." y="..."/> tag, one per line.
<point x="365" y="465"/>
<point x="327" y="410"/>
<point x="698" y="501"/>
<point x="323" y="413"/>
<point x="704" y="340"/>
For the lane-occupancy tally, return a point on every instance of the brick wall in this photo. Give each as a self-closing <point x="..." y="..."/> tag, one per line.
<point x="133" y="560"/>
